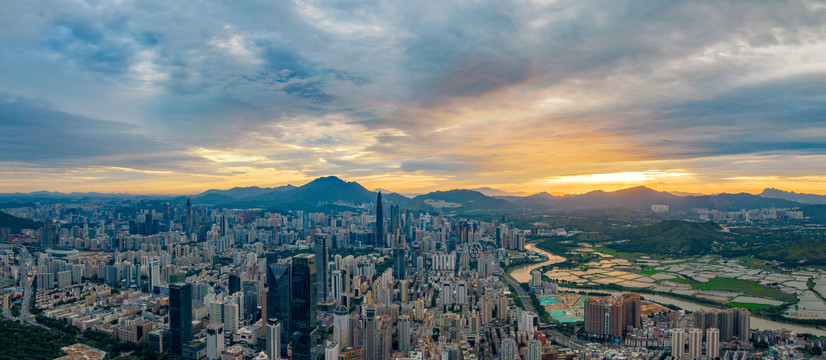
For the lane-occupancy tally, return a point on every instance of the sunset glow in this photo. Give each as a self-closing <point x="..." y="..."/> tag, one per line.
<point x="563" y="97"/>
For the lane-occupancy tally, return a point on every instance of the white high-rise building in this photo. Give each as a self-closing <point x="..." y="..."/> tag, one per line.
<point x="677" y="343"/>
<point x="534" y="351"/>
<point x="226" y="312"/>
<point x="341" y="327"/>
<point x="536" y="278"/>
<point x="461" y="294"/>
<point x="154" y="269"/>
<point x="230" y="316"/>
<point x="215" y="340"/>
<point x="332" y="350"/>
<point x="527" y="321"/>
<point x="336" y="285"/>
<point x="695" y="343"/>
<point x="509" y="349"/>
<point x="446" y="294"/>
<point x="273" y="339"/>
<point x="712" y="343"/>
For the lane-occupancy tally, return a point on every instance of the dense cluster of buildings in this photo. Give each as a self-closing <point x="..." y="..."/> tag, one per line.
<point x="377" y="283"/>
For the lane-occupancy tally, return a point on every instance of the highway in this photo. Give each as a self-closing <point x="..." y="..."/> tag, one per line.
<point x="526" y="299"/>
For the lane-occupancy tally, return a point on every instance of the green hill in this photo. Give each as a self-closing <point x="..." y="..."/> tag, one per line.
<point x="670" y="237"/>
<point x="16" y="224"/>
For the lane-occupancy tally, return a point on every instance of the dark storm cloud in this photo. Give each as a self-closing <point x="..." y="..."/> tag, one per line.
<point x="776" y="116"/>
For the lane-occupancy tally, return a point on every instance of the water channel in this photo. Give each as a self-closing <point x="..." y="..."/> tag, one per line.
<point x="523" y="273"/>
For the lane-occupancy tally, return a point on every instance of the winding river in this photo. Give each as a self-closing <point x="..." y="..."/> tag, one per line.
<point x="523" y="274"/>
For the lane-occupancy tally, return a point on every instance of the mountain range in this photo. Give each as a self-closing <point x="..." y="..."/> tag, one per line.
<point x="793" y="196"/>
<point x="328" y="191"/>
<point x="332" y="192"/>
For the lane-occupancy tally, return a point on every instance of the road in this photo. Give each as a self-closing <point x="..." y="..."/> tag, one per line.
<point x="526" y="300"/>
<point x="25" y="263"/>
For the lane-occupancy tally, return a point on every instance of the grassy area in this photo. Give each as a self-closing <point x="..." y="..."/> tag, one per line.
<point x="680" y="280"/>
<point x="650" y="271"/>
<point x="755" y="263"/>
<point x="747" y="287"/>
<point x="751" y="307"/>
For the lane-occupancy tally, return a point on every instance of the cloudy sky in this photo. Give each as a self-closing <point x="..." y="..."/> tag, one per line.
<point x="559" y="96"/>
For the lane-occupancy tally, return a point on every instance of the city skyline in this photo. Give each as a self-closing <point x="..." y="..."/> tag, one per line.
<point x="559" y="96"/>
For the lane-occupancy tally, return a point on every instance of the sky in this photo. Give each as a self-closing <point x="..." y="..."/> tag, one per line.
<point x="177" y="97"/>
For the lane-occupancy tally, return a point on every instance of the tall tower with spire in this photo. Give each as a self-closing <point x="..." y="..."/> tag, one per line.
<point x="379" y="221"/>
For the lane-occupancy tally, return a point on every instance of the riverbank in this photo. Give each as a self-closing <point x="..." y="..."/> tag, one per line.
<point x="523" y="273"/>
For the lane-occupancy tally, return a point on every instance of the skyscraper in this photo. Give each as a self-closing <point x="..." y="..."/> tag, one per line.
<point x="336" y="285"/>
<point x="188" y="225"/>
<point x="341" y="328"/>
<point x="379" y="221"/>
<point x="154" y="269"/>
<point x="695" y="343"/>
<point x="322" y="255"/>
<point x="234" y="283"/>
<point x="609" y="318"/>
<point x="279" y="281"/>
<point x="251" y="296"/>
<point x="677" y="343"/>
<point x="399" y="262"/>
<point x="180" y="317"/>
<point x="404" y="333"/>
<point x="712" y="343"/>
<point x="732" y="323"/>
<point x="48" y="238"/>
<point x="509" y="349"/>
<point x="631" y="311"/>
<point x="534" y="351"/>
<point x="273" y="339"/>
<point x="215" y="340"/>
<point x="370" y="326"/>
<point x="303" y="308"/>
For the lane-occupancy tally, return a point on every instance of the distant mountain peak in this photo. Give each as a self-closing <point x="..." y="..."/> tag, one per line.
<point x="332" y="179"/>
<point x="793" y="196"/>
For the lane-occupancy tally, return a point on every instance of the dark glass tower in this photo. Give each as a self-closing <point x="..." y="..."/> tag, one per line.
<point x="188" y="224"/>
<point x="251" y="296"/>
<point x="304" y="302"/>
<point x="180" y="317"/>
<point x="399" y="262"/>
<point x="322" y="254"/>
<point x="234" y="283"/>
<point x="379" y="221"/>
<point x="278" y="297"/>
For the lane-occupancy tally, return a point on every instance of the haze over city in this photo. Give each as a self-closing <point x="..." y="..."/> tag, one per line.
<point x="521" y="96"/>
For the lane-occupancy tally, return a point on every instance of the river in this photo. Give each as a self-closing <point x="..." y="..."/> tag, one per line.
<point x="523" y="274"/>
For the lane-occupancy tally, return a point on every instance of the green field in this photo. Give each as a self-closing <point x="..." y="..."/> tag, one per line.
<point x="747" y="287"/>
<point x="650" y="271"/>
<point x="751" y="307"/>
<point x="680" y="280"/>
